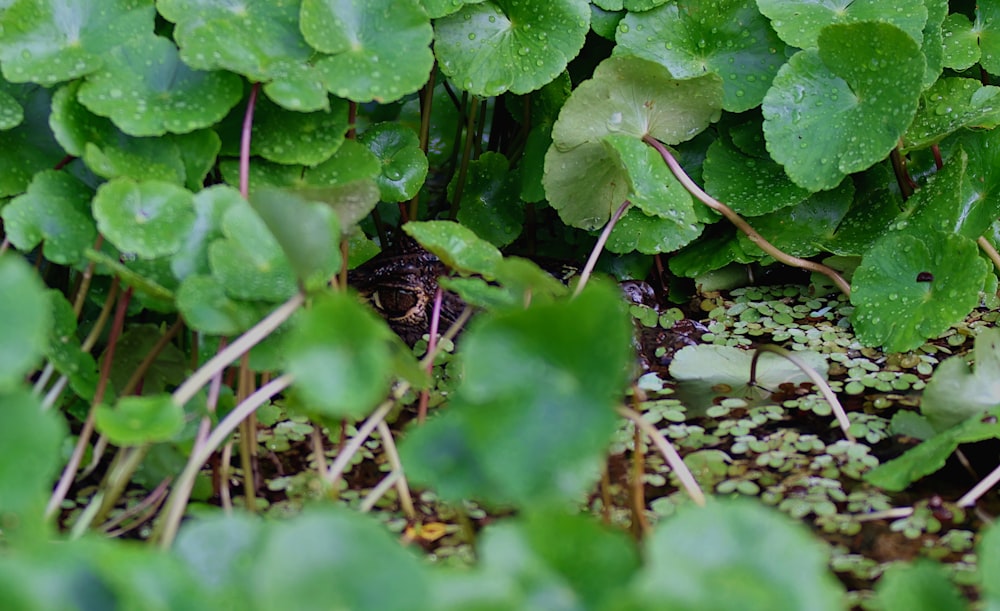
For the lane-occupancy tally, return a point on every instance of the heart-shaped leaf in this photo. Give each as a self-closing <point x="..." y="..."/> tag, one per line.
<point x="840" y="109"/>
<point x="149" y="218"/>
<point x="56" y="211"/>
<point x="404" y="165"/>
<point x="908" y="289"/>
<point x="490" y="205"/>
<point x="139" y="420"/>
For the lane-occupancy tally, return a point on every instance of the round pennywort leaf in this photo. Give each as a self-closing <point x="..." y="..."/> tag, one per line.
<point x="149" y="218"/>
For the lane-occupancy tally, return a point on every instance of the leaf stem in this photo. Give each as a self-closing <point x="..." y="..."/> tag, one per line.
<point x="824" y="388"/>
<point x="742" y="225"/>
<point x="166" y="527"/>
<point x="674" y="460"/>
<point x="245" y="142"/>
<point x="991" y="252"/>
<point x="985" y="485"/>
<point x="595" y="253"/>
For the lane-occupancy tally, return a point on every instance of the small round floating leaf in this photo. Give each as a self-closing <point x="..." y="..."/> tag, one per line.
<point x="260" y="40"/>
<point x="507" y="45"/>
<point x="456" y="245"/>
<point x="895" y="310"/>
<point x="139" y="420"/>
<point x="48" y="41"/>
<point x="629" y="96"/>
<point x="841" y="109"/>
<point x="146" y="90"/>
<point x="25" y="320"/>
<point x="691" y="37"/>
<point x="404" y="165"/>
<point x="56" y="211"/>
<point x="340" y="355"/>
<point x="149" y="218"/>
<point x="490" y="205"/>
<point x="799" y="22"/>
<point x="379" y="49"/>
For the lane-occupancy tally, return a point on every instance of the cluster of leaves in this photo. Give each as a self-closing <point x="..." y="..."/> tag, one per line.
<point x="210" y="162"/>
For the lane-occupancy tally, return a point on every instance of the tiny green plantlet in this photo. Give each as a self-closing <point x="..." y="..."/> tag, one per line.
<point x="189" y="190"/>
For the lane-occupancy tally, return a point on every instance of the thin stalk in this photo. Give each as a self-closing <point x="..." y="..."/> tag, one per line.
<point x="379" y="491"/>
<point x="674" y="460"/>
<point x="640" y="525"/>
<point x="824" y="388"/>
<point x="167" y="526"/>
<point x="69" y="472"/>
<point x="402" y="488"/>
<point x="245" y="142"/>
<point x="742" y="225"/>
<point x="253" y="336"/>
<point x="595" y="252"/>
<point x="85" y="280"/>
<point x="991" y="252"/>
<point x="463" y="166"/>
<point x="118" y="477"/>
<point x="248" y="438"/>
<point x="985" y="485"/>
<point x="431" y="346"/>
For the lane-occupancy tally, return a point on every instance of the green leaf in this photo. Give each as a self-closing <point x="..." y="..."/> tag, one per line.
<point x="64" y="352"/>
<point x="988" y="26"/>
<point x="248" y="261"/>
<point x="490" y="205"/>
<point x="805" y="229"/>
<point x="842" y="108"/>
<point x="908" y="289"/>
<point x="34" y="438"/>
<point x="707" y="372"/>
<point x="30" y="147"/>
<point x="491" y="47"/>
<point x="692" y="37"/>
<point x="799" y="22"/>
<point x="206" y="307"/>
<point x="25" y="320"/>
<point x="110" y="153"/>
<point x="11" y="111"/>
<point x="404" y="165"/>
<point x="757" y="559"/>
<point x="210" y="206"/>
<point x="456" y="245"/>
<point x="289" y="136"/>
<point x="931" y="455"/>
<point x="956" y="393"/>
<point x="139" y="420"/>
<point x="323" y="560"/>
<point x="559" y="558"/>
<point x="749" y="185"/>
<point x="379" y="49"/>
<point x="308" y="233"/>
<point x="149" y="218"/>
<point x="55" y="211"/>
<point x="949" y="105"/>
<point x="146" y="90"/>
<point x="920" y="586"/>
<point x="339" y="353"/>
<point x="260" y="40"/>
<point x="628" y="96"/>
<point x="47" y="41"/>
<point x="551" y="367"/>
<point x="988" y="551"/>
<point x="961" y="43"/>
<point x="441" y="8"/>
